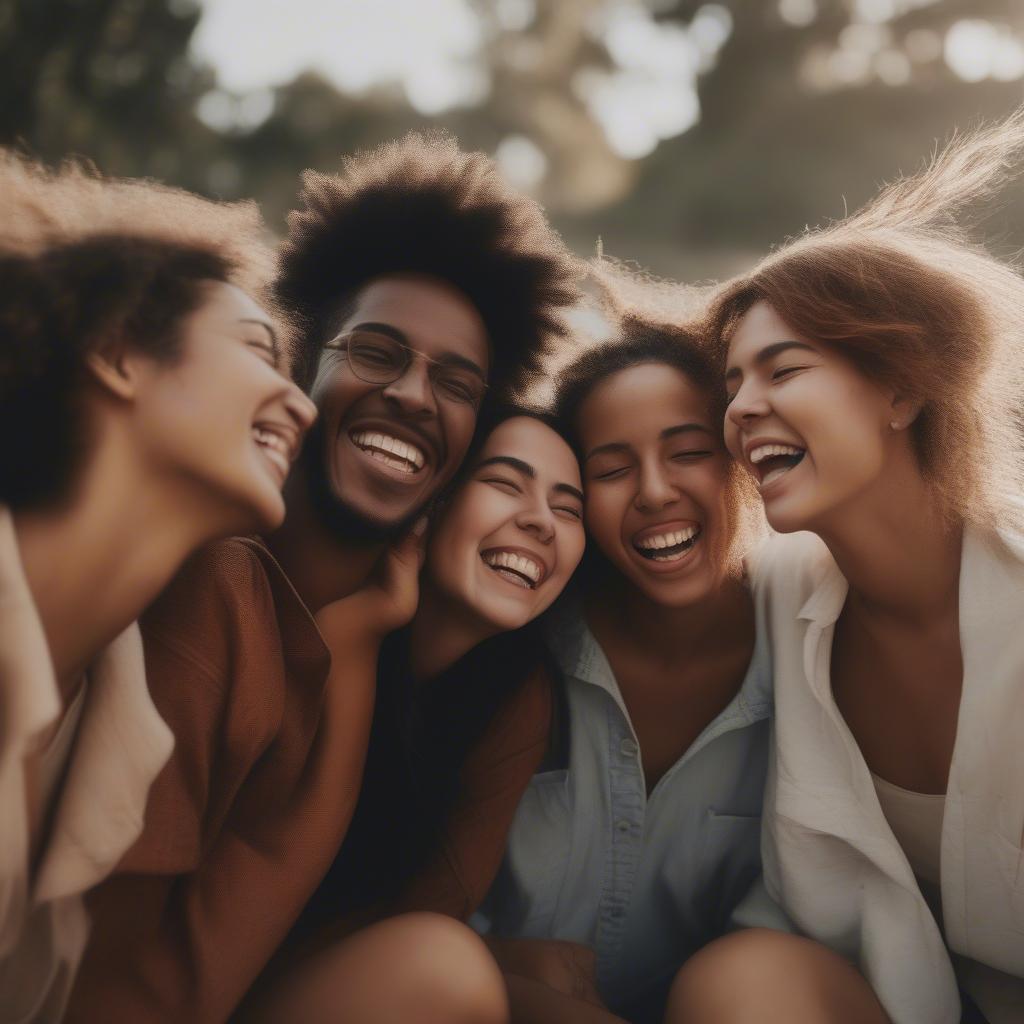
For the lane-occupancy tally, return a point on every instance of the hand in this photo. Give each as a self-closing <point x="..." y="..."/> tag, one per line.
<point x="568" y="967"/>
<point x="388" y="599"/>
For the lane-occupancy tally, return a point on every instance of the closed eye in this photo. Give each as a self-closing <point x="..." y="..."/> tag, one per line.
<point x="786" y="371"/>
<point x="611" y="474"/>
<point x="570" y="510"/>
<point x="268" y="352"/>
<point x="691" y="455"/>
<point x="503" y="484"/>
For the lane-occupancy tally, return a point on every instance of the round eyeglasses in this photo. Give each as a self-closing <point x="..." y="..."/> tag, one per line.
<point x="380" y="359"/>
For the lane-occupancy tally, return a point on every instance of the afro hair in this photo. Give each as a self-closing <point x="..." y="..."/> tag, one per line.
<point x="421" y="205"/>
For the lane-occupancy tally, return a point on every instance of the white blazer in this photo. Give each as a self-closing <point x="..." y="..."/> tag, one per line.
<point x="830" y="858"/>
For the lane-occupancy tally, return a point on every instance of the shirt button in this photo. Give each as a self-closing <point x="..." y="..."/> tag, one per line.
<point x="629" y="747"/>
<point x="623" y="825"/>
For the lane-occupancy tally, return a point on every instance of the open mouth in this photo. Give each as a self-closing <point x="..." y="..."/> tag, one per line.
<point x="669" y="546"/>
<point x="274" y="446"/>
<point x="772" y="461"/>
<point x="517" y="568"/>
<point x="392" y="452"/>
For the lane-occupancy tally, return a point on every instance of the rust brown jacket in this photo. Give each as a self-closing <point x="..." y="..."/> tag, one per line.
<point x="249" y="813"/>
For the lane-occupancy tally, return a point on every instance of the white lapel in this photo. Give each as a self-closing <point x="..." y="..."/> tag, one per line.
<point x="122" y="744"/>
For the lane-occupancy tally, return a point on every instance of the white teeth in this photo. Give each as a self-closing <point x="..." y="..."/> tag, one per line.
<point x="379" y="444"/>
<point x="517" y="563"/>
<point x="764" y="451"/>
<point x="269" y="439"/>
<point x="667" y="540"/>
<point x="275" y="449"/>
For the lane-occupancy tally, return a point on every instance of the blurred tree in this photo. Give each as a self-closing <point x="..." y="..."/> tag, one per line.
<point x="807" y="103"/>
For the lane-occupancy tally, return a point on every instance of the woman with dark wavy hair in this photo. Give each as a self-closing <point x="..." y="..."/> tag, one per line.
<point x="875" y="371"/>
<point x="145" y="408"/>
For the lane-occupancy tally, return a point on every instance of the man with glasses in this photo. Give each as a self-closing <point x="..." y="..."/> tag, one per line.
<point x="422" y="286"/>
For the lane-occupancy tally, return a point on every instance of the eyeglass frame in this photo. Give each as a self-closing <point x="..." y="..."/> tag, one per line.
<point x="339" y="343"/>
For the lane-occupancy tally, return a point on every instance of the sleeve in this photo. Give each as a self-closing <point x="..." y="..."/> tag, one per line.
<point x="494" y="778"/>
<point x="158" y="939"/>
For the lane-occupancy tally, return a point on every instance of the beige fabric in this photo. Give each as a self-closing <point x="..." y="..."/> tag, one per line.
<point x="830" y="857"/>
<point x="118" y="748"/>
<point x="916" y="822"/>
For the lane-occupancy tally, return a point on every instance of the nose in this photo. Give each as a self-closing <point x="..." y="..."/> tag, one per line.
<point x="537" y="519"/>
<point x="656" y="489"/>
<point x="748" y="404"/>
<point x="300" y="408"/>
<point x="413" y="392"/>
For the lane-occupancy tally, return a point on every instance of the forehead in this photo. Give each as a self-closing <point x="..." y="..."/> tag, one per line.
<point x="523" y="437"/>
<point x="436" y="318"/>
<point x="636" y="404"/>
<point x="231" y="303"/>
<point x="758" y="327"/>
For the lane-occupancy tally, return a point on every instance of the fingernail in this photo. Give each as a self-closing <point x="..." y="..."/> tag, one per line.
<point x="420" y="526"/>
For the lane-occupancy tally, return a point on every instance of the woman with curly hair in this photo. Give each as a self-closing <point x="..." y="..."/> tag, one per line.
<point x="145" y="409"/>
<point x="875" y="371"/>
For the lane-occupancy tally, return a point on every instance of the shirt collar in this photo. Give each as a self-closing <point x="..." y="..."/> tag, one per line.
<point x="580" y="656"/>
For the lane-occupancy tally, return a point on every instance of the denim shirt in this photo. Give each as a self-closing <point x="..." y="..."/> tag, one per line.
<point x="644" y="880"/>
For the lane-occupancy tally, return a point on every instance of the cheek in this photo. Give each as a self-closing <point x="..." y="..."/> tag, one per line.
<point x="602" y="513"/>
<point x="458" y="425"/>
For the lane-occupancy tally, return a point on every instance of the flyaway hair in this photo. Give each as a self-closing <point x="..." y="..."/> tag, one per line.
<point x="421" y="205"/>
<point x="904" y="289"/>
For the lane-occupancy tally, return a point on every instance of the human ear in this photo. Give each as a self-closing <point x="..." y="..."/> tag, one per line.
<point x="903" y="411"/>
<point x="116" y="369"/>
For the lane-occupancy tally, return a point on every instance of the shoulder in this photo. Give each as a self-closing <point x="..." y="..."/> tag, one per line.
<point x="219" y="601"/>
<point x="787" y="566"/>
<point x="521" y="727"/>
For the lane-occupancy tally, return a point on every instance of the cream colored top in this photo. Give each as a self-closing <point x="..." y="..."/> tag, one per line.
<point x="916" y="822"/>
<point x="95" y="810"/>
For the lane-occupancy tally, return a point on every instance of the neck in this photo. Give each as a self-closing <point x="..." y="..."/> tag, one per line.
<point x="899" y="553"/>
<point x="442" y="633"/>
<point x="665" y="632"/>
<point x="97" y="561"/>
<point x="322" y="566"/>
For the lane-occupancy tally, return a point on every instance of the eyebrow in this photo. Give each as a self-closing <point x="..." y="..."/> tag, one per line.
<point x="768" y="353"/>
<point x="679" y="428"/>
<point x="275" y="346"/>
<point x="528" y="471"/>
<point x="448" y="359"/>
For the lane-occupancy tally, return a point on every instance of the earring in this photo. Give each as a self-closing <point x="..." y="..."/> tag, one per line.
<point x="895" y="424"/>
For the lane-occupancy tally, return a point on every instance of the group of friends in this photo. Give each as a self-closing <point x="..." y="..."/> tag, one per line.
<point x="345" y="680"/>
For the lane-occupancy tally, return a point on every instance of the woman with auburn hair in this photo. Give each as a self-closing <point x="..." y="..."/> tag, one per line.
<point x="875" y="372"/>
<point x="146" y="408"/>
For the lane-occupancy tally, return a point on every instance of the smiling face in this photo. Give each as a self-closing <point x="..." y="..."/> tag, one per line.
<point x="224" y="413"/>
<point x="656" y="479"/>
<point x="386" y="449"/>
<point x="512" y="535"/>
<point x="812" y="429"/>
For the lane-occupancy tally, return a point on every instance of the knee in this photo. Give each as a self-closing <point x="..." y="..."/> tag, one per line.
<point x="449" y="974"/>
<point x="414" y="969"/>
<point x="773" y="976"/>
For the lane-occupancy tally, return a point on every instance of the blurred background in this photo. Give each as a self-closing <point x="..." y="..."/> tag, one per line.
<point x="689" y="136"/>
